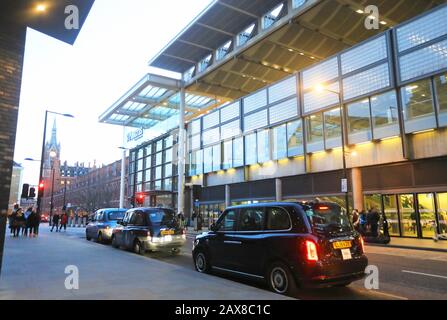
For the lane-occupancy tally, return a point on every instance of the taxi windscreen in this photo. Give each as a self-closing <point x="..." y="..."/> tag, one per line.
<point x="328" y="216"/>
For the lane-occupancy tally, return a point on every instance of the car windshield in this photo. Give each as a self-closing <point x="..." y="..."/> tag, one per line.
<point x="162" y="216"/>
<point x="328" y="216"/>
<point x="116" y="215"/>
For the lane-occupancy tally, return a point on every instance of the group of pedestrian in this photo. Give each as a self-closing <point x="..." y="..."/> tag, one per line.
<point x="24" y="222"/>
<point x="367" y="222"/>
<point x="59" y="221"/>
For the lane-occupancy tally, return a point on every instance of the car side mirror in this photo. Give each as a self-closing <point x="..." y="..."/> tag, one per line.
<point x="120" y="221"/>
<point x="214" y="227"/>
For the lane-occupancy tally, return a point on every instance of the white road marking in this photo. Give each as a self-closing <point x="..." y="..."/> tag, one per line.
<point x="425" y="274"/>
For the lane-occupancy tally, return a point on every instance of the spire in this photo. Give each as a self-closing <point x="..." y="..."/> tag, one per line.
<point x="53" y="141"/>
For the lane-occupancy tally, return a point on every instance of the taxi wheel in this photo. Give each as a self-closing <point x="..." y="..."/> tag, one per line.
<point x="280" y="279"/>
<point x="175" y="251"/>
<point x="114" y="242"/>
<point x="138" y="248"/>
<point x="201" y="262"/>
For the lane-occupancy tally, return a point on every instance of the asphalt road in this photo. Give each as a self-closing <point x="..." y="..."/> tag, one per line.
<point x="403" y="274"/>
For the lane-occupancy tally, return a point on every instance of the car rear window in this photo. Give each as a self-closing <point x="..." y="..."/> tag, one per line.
<point x="277" y="219"/>
<point x="328" y="216"/>
<point x="162" y="216"/>
<point x="116" y="215"/>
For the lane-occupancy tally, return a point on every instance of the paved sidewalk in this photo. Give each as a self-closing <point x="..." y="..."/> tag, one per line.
<point x="34" y="268"/>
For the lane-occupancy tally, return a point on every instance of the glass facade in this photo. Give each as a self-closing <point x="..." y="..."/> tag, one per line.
<point x="359" y="122"/>
<point x="441" y="95"/>
<point x="263" y="146"/>
<point x="251" y="149"/>
<point x="332" y="128"/>
<point x="279" y="142"/>
<point x="314" y="129"/>
<point x="295" y="138"/>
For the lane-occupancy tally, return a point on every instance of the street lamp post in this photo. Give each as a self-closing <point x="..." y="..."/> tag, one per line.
<point x="122" y="178"/>
<point x="42" y="157"/>
<point x="321" y="88"/>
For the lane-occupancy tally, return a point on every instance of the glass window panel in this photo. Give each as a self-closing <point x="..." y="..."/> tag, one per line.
<point x="140" y="153"/>
<point x="217" y="157"/>
<point x="158" y="172"/>
<point x="423" y="61"/>
<point x="132" y="167"/>
<point x="199" y="161"/>
<point x="238" y="152"/>
<point x="407" y="215"/>
<point x="358" y="116"/>
<point x="195" y="141"/>
<point x="390" y="208"/>
<point x="140" y="177"/>
<point x="279" y="142"/>
<point x="230" y="129"/>
<point x="250" y="149"/>
<point x="159" y="145"/>
<point x="168" y="170"/>
<point x="442" y="212"/>
<point x="263" y="146"/>
<point x="321" y="73"/>
<point x="208" y="160"/>
<point x="332" y="123"/>
<point x="211" y="136"/>
<point x="169" y="141"/>
<point x="364" y="55"/>
<point x="366" y="82"/>
<point x="422" y="30"/>
<point x="283" y="111"/>
<point x="283" y="89"/>
<point x="211" y="120"/>
<point x="295" y="138"/>
<point x="147" y="175"/>
<point x="159" y="159"/>
<point x="227" y="157"/>
<point x="298" y="3"/>
<point x="417" y="100"/>
<point x="315" y="100"/>
<point x="230" y="112"/>
<point x="140" y="164"/>
<point x="255" y="121"/>
<point x="148" y="162"/>
<point x="255" y="101"/>
<point x="441" y="92"/>
<point x="196" y="126"/>
<point x="132" y="156"/>
<point x="168" y="184"/>
<point x="192" y="163"/>
<point x="158" y="185"/>
<point x="168" y="155"/>
<point x="148" y="150"/>
<point x="426" y="208"/>
<point x="314" y="126"/>
<point x="384" y="109"/>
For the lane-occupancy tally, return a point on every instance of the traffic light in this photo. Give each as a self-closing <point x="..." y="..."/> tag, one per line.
<point x="41" y="189"/>
<point x="140" y="198"/>
<point x="25" y="190"/>
<point x="32" y="193"/>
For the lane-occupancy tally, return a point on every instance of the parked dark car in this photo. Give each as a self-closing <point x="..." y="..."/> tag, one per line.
<point x="285" y="244"/>
<point x="149" y="229"/>
<point x="102" y="223"/>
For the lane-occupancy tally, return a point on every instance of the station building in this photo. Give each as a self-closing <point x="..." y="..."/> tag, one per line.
<point x="292" y="100"/>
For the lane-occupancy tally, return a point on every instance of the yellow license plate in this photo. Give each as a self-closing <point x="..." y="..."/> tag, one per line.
<point x="167" y="232"/>
<point x="342" y="244"/>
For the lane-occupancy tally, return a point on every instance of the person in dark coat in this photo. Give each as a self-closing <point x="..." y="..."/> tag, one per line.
<point x="64" y="221"/>
<point x="11" y="218"/>
<point x="55" y="222"/>
<point x="373" y="218"/>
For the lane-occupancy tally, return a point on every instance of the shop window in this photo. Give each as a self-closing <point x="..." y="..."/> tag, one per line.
<point x="250" y="149"/>
<point x="385" y="115"/>
<point x="359" y="126"/>
<point x="426" y="208"/>
<point x="227" y="157"/>
<point x="418" y="106"/>
<point x="314" y="136"/>
<point x="294" y="138"/>
<point x="441" y="93"/>
<point x="263" y="146"/>
<point x="279" y="142"/>
<point x="408" y="219"/>
<point x="442" y="212"/>
<point x="332" y="128"/>
<point x="238" y="152"/>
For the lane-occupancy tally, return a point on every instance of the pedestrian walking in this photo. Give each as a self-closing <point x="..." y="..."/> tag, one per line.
<point x="11" y="218"/>
<point x="55" y="222"/>
<point x="26" y="216"/>
<point x="64" y="221"/>
<point x="18" y="222"/>
<point x="373" y="218"/>
<point x="355" y="219"/>
<point x="35" y="223"/>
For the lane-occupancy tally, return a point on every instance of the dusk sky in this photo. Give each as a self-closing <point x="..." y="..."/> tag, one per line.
<point x="110" y="55"/>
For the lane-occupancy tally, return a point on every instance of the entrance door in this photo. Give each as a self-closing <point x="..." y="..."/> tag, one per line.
<point x="426" y="206"/>
<point x="390" y="209"/>
<point x="408" y="215"/>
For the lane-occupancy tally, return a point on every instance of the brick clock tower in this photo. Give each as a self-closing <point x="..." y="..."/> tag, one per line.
<point x="51" y="170"/>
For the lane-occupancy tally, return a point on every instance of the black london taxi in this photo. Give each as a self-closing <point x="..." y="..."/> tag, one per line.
<point x="306" y="244"/>
<point x="149" y="229"/>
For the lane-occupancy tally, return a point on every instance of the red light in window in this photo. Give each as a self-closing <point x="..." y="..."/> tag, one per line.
<point x="311" y="251"/>
<point x="322" y="208"/>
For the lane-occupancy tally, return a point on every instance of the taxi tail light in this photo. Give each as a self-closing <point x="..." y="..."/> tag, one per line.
<point x="311" y="251"/>
<point x="362" y="244"/>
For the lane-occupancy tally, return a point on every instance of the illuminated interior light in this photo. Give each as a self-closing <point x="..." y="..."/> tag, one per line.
<point x="312" y="57"/>
<point x="360" y="11"/>
<point x="41" y="7"/>
<point x="383" y="23"/>
<point x="389" y="138"/>
<point x="291" y="50"/>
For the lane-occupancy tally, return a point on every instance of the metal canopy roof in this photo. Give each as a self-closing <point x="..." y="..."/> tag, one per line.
<point x="304" y="35"/>
<point x="152" y="100"/>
